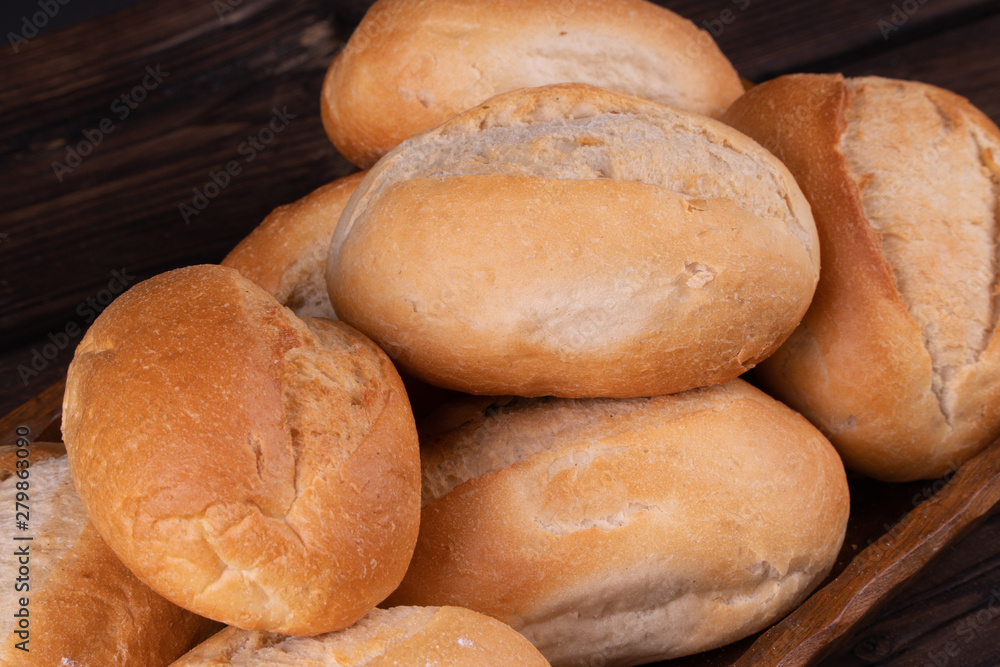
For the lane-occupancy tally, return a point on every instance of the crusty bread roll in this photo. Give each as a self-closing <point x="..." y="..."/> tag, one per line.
<point x="633" y="530"/>
<point x="83" y="606"/>
<point x="573" y="241"/>
<point x="401" y="637"/>
<point x="897" y="360"/>
<point x="412" y="64"/>
<point x="286" y="254"/>
<point x="250" y="466"/>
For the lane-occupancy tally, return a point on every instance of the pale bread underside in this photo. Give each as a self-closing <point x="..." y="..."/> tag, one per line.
<point x="360" y="645"/>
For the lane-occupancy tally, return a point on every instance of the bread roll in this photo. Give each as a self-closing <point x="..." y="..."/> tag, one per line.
<point x="401" y="636"/>
<point x="413" y="64"/>
<point x="252" y="467"/>
<point x="286" y="254"/>
<point x="634" y="530"/>
<point x="83" y="606"/>
<point x="577" y="242"/>
<point x="897" y="360"/>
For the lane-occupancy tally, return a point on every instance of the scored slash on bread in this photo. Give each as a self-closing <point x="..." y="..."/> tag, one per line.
<point x="253" y="467"/>
<point x="286" y="254"/>
<point x="897" y="358"/>
<point x="637" y="529"/>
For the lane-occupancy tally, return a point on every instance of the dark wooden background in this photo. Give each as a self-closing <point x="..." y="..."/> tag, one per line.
<point x="228" y="64"/>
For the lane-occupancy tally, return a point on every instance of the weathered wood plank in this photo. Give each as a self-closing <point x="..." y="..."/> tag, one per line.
<point x="965" y="59"/>
<point x="120" y="206"/>
<point x="34" y="417"/>
<point x="949" y="615"/>
<point x="217" y="83"/>
<point x="765" y="38"/>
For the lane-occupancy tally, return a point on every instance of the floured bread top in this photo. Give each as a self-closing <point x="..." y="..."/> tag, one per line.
<point x="579" y="132"/>
<point x="492" y="434"/>
<point x="364" y="643"/>
<point x="929" y="180"/>
<point x="413" y="64"/>
<point x="56" y="521"/>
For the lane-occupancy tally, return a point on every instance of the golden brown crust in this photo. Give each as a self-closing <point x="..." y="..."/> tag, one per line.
<point x="632" y="529"/>
<point x="401" y="636"/>
<point x="286" y="254"/>
<point x="857" y="366"/>
<point x="573" y="241"/>
<point x="86" y="608"/>
<point x="412" y="65"/>
<point x="248" y="465"/>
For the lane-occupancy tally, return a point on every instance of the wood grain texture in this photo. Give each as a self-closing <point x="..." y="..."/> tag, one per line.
<point x="221" y="82"/>
<point x="19" y="379"/>
<point x="37" y="415"/>
<point x="948" y="617"/>
<point x="120" y="206"/>
<point x="765" y="39"/>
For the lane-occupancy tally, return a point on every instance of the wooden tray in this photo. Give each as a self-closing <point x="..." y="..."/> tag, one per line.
<point x="894" y="531"/>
